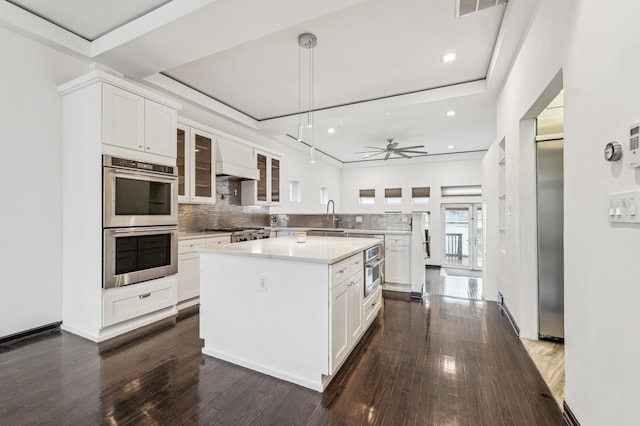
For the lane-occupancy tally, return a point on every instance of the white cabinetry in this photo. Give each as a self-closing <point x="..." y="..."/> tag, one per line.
<point x="265" y="190"/>
<point x="189" y="267"/>
<point x="104" y="114"/>
<point x="397" y="259"/>
<point x="132" y="122"/>
<point x="347" y="319"/>
<point x="196" y="159"/>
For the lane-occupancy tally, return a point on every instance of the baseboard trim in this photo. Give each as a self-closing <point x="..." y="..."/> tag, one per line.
<point x="48" y="328"/>
<point x="568" y="415"/>
<point x="505" y="310"/>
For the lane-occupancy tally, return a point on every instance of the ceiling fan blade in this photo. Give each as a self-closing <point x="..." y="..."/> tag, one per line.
<point x="377" y="153"/>
<point x="404" y="148"/>
<point x="375" y="147"/>
<point x="413" y="152"/>
<point x="386" y="157"/>
<point x="402" y="154"/>
<point x="368" y="152"/>
<point x="392" y="145"/>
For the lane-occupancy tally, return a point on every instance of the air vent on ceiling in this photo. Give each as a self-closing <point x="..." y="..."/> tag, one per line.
<point x="466" y="7"/>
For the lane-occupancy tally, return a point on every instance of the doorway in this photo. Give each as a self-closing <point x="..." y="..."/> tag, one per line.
<point x="462" y="243"/>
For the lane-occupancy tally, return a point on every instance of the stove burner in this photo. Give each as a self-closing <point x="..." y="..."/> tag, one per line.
<point x="242" y="234"/>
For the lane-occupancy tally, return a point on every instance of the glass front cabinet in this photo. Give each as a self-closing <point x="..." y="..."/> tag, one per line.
<point x="266" y="190"/>
<point x="196" y="165"/>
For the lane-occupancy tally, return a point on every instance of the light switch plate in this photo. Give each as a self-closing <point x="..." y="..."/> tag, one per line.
<point x="624" y="207"/>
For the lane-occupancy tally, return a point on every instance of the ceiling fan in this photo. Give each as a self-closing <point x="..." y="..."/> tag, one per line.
<point x="392" y="148"/>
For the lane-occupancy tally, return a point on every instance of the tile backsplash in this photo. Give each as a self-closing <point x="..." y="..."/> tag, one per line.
<point x="389" y="221"/>
<point x="227" y="212"/>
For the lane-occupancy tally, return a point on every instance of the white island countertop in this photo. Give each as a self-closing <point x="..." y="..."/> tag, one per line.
<point x="316" y="249"/>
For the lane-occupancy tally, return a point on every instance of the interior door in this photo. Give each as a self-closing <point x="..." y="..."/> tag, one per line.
<point x="462" y="236"/>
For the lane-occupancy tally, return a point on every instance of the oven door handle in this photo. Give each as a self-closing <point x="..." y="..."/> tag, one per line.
<point x="142" y="230"/>
<point x="373" y="264"/>
<point x="160" y="177"/>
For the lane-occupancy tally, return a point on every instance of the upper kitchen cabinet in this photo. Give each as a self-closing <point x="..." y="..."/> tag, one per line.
<point x="127" y="120"/>
<point x="265" y="190"/>
<point x="132" y="122"/>
<point x="196" y="159"/>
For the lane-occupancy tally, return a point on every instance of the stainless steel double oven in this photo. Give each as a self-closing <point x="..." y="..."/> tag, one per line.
<point x="373" y="269"/>
<point x="140" y="221"/>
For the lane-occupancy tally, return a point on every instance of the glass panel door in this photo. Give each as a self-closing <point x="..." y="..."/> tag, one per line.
<point x="275" y="180"/>
<point x="181" y="161"/>
<point x="462" y="243"/>
<point x="203" y="165"/>
<point x="457" y="219"/>
<point x="262" y="183"/>
<point x="477" y="232"/>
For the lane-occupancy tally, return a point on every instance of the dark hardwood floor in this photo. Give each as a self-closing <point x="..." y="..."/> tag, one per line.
<point x="445" y="361"/>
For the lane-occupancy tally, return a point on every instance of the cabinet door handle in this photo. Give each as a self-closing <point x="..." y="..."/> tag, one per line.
<point x="374" y="303"/>
<point x="144" y="296"/>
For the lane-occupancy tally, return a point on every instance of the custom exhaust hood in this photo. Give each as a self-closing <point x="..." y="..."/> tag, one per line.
<point x="235" y="160"/>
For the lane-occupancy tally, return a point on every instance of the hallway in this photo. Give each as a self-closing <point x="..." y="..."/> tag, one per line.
<point x="439" y="361"/>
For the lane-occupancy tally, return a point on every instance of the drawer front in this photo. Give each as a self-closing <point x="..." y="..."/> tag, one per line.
<point x="372" y="306"/>
<point x="397" y="240"/>
<point x="216" y="241"/>
<point x="345" y="268"/>
<point x="190" y="246"/>
<point x="124" y="303"/>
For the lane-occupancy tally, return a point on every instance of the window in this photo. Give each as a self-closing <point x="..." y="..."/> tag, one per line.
<point x="295" y="193"/>
<point x="420" y="195"/>
<point x="324" y="195"/>
<point x="461" y="190"/>
<point x="393" y="196"/>
<point x="367" y="197"/>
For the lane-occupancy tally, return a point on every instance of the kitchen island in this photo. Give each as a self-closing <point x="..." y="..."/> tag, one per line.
<point x="292" y="310"/>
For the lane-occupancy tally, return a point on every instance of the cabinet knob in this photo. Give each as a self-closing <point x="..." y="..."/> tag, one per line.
<point x="148" y="148"/>
<point x="140" y="146"/>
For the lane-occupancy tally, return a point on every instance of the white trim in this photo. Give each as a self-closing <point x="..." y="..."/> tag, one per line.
<point x="318" y="385"/>
<point x="102" y="76"/>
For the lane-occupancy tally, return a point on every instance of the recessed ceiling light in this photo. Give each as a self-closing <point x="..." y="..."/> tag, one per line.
<point x="365" y="155"/>
<point x="331" y="130"/>
<point x="388" y="113"/>
<point x="448" y="57"/>
<point x="451" y="113"/>
<point x="450" y="147"/>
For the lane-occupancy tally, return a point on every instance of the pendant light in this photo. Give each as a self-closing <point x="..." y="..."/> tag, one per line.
<point x="306" y="41"/>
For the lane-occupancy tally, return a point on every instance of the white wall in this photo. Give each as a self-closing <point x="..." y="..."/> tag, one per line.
<point x="31" y="187"/>
<point x="592" y="44"/>
<point x="408" y="174"/>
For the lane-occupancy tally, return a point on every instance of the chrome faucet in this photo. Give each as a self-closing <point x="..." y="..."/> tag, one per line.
<point x="334" y="219"/>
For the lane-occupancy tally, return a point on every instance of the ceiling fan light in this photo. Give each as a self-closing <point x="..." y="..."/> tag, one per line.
<point x="451" y="113"/>
<point x="312" y="155"/>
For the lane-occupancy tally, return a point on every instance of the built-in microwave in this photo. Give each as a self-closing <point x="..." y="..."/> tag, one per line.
<point x="373" y="267"/>
<point x="133" y="255"/>
<point x="138" y="194"/>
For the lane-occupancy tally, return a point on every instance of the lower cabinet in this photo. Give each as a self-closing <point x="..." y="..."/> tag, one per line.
<point x="397" y="260"/>
<point x="347" y="319"/>
<point x="371" y="306"/>
<point x="189" y="265"/>
<point x="124" y="303"/>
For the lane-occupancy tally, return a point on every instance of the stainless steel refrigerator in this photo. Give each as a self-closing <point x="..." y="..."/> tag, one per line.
<point x="549" y="187"/>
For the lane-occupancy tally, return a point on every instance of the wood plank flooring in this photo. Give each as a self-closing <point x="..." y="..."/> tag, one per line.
<point x="461" y="284"/>
<point x="443" y="361"/>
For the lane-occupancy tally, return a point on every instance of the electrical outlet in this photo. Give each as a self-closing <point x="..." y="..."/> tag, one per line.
<point x="358" y="219"/>
<point x="263" y="283"/>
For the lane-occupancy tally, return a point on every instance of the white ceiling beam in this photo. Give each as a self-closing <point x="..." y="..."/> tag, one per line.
<point x="158" y="18"/>
<point x="20" y="21"/>
<point x="216" y="27"/>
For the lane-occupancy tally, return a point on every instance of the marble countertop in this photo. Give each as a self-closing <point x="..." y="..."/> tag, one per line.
<point x="316" y="249"/>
